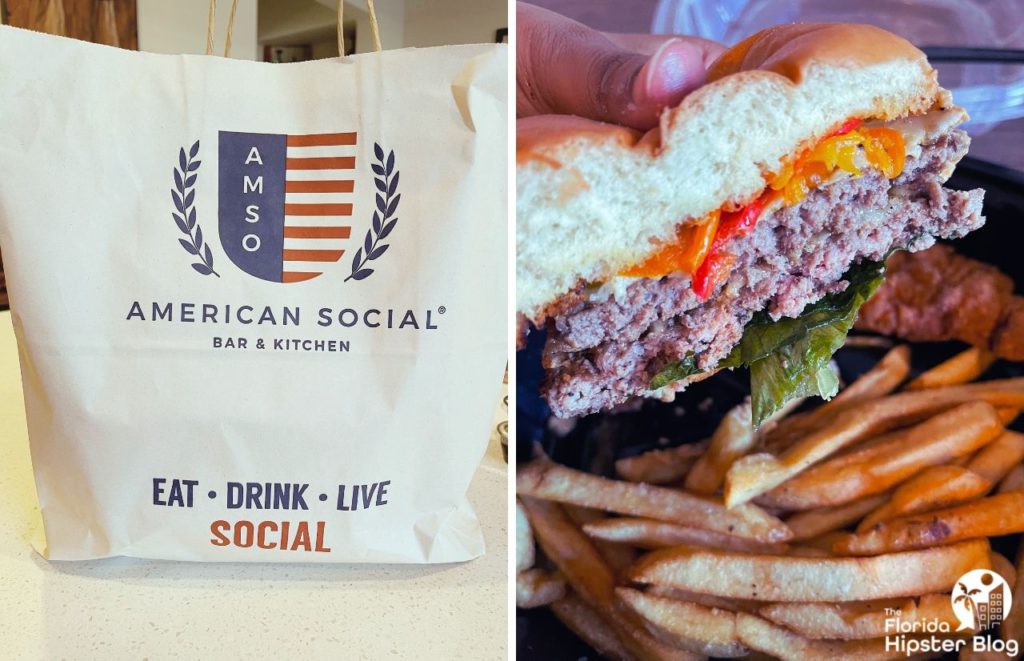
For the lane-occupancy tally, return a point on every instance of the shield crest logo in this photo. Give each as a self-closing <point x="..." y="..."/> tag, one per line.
<point x="285" y="202"/>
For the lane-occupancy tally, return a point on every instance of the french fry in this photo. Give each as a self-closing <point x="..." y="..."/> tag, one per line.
<point x="641" y="644"/>
<point x="733" y="438"/>
<point x="589" y="576"/>
<point x="760" y="634"/>
<point x="706" y="600"/>
<point x="989" y="517"/>
<point x="660" y="466"/>
<point x="782" y="578"/>
<point x="933" y="488"/>
<point x="1008" y="414"/>
<point x="868" y="450"/>
<point x="645" y="646"/>
<point x="590" y="626"/>
<point x="525" y="551"/>
<point x="867" y="342"/>
<point x="651" y="534"/>
<point x="811" y="523"/>
<point x="544" y="479"/>
<point x="571" y="551"/>
<point x="964" y="367"/>
<point x="1014" y="480"/>
<point x="950" y="434"/>
<point x="880" y="380"/>
<point x="817" y="547"/>
<point x="618" y="556"/>
<point x="753" y="475"/>
<point x="860" y="620"/>
<point x="688" y="626"/>
<point x="998" y="458"/>
<point x="961" y="461"/>
<point x="536" y="587"/>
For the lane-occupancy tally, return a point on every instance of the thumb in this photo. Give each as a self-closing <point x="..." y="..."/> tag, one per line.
<point x="564" y="67"/>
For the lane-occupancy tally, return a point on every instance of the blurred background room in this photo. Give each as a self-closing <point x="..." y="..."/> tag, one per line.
<point x="267" y="30"/>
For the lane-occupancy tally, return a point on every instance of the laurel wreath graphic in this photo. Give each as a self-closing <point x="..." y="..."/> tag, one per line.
<point x="184" y="197"/>
<point x="384" y="219"/>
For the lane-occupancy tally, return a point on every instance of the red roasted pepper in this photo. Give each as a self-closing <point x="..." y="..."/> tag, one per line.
<point x="710" y="273"/>
<point x="733" y="224"/>
<point x="738" y="223"/>
<point x="846" y="126"/>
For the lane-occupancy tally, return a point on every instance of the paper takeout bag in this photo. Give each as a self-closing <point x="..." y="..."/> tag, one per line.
<point x="260" y="308"/>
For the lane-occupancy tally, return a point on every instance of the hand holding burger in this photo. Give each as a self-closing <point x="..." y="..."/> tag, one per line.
<point x="565" y="68"/>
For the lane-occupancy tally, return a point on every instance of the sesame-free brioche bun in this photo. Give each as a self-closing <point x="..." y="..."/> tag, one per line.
<point x="594" y="199"/>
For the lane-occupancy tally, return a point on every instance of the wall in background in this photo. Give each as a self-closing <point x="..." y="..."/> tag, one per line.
<point x="402" y="22"/>
<point x="298" y="22"/>
<point x="390" y="19"/>
<point x="443" y="22"/>
<point x="294" y="19"/>
<point x="180" y="27"/>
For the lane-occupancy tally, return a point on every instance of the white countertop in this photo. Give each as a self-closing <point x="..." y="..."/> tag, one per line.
<point x="132" y="609"/>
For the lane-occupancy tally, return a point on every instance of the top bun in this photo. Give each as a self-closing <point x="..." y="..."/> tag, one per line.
<point x="594" y="199"/>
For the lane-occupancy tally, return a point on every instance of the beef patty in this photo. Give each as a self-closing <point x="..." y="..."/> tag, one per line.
<point x="602" y="350"/>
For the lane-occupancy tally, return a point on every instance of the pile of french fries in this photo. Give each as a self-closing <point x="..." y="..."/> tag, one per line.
<point x="797" y="540"/>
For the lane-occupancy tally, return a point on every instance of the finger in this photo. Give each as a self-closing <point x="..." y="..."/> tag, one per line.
<point x="564" y="67"/>
<point x="647" y="44"/>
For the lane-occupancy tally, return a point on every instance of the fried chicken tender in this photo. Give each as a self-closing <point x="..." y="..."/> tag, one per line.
<point x="936" y="295"/>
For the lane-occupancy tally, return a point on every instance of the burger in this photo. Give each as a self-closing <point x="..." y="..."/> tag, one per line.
<point x="746" y="230"/>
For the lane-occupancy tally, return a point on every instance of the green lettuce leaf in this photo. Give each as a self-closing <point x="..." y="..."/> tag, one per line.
<point x="789" y="358"/>
<point x="796" y="370"/>
<point x="676" y="372"/>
